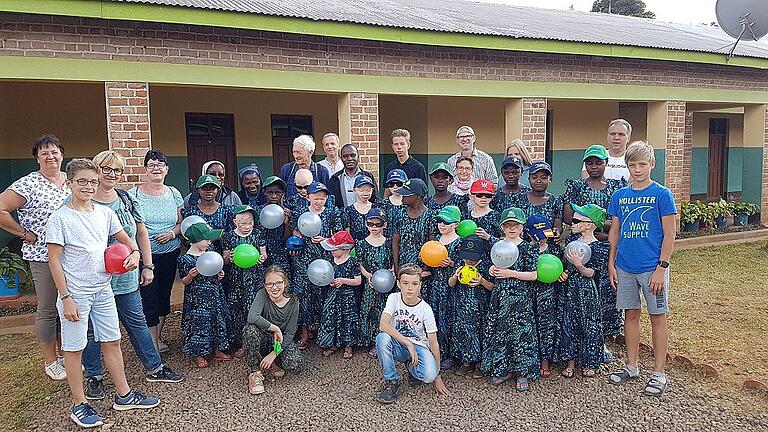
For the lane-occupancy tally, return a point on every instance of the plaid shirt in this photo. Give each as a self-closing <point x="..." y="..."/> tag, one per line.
<point x="483" y="165"/>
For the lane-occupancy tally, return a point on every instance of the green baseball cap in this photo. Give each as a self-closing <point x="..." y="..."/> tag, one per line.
<point x="450" y="214"/>
<point x="201" y="231"/>
<point x="441" y="166"/>
<point x="207" y="179"/>
<point x="242" y="208"/>
<point x="594" y="212"/>
<point x="271" y="180"/>
<point x="513" y="214"/>
<point x="596" y="150"/>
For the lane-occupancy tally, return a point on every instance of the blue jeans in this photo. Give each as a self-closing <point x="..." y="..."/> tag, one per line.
<point x="131" y="315"/>
<point x="389" y="351"/>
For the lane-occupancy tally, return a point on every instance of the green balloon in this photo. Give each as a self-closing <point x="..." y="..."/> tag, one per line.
<point x="245" y="256"/>
<point x="466" y="228"/>
<point x="548" y="268"/>
<point x="352" y="252"/>
<point x="277" y="347"/>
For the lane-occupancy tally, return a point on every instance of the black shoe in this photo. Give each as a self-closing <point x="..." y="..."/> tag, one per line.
<point x="414" y="382"/>
<point x="165" y="375"/>
<point x="94" y="389"/>
<point x="388" y="393"/>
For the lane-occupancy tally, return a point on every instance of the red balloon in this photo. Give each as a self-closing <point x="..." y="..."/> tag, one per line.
<point x="114" y="257"/>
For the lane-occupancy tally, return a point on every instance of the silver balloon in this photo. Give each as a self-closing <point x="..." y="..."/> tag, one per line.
<point x="189" y="221"/>
<point x="579" y="247"/>
<point x="320" y="272"/>
<point x="209" y="263"/>
<point x="310" y="224"/>
<point x="504" y="254"/>
<point x="383" y="281"/>
<point x="272" y="216"/>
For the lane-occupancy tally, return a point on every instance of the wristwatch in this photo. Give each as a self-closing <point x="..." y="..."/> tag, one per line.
<point x="148" y="267"/>
<point x="663" y="264"/>
<point x="66" y="296"/>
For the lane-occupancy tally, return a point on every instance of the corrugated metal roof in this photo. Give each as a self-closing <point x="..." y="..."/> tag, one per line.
<point x="460" y="16"/>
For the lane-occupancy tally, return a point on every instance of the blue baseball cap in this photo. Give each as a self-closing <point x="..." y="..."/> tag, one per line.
<point x="397" y="175"/>
<point x="539" y="228"/>
<point x="539" y="166"/>
<point x="512" y="160"/>
<point x="376" y="213"/>
<point x="414" y="186"/>
<point x="316" y="187"/>
<point x="363" y="180"/>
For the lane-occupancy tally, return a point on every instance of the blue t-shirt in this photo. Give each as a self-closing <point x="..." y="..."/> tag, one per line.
<point x="641" y="235"/>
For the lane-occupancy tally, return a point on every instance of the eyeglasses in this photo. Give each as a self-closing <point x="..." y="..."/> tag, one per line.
<point x="109" y="170"/>
<point x="463" y="168"/>
<point x="395" y="184"/>
<point x="84" y="182"/>
<point x="464" y="136"/>
<point x="489" y="196"/>
<point x="302" y="187"/>
<point x="158" y="165"/>
<point x="278" y="284"/>
<point x="375" y="224"/>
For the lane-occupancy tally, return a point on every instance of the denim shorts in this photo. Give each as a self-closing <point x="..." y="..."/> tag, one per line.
<point x="98" y="308"/>
<point x="632" y="284"/>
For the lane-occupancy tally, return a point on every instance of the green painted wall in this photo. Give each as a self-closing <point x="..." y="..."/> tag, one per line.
<point x="752" y="166"/>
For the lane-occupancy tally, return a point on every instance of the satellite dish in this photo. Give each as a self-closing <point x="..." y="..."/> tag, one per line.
<point x="742" y="19"/>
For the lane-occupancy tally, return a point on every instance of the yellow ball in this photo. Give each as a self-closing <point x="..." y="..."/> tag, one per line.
<point x="467" y="273"/>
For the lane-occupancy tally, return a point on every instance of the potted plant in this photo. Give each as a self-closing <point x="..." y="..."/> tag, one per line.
<point x="692" y="214"/>
<point x="742" y="212"/>
<point x="11" y="266"/>
<point x="718" y="210"/>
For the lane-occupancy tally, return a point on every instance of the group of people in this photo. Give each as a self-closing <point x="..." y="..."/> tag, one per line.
<point x="500" y="324"/>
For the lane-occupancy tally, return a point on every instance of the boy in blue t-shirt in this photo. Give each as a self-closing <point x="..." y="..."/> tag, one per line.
<point x="642" y="236"/>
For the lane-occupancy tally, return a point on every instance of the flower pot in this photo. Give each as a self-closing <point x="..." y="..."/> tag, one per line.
<point x="741" y="219"/>
<point x="691" y="227"/>
<point x="9" y="292"/>
<point x="720" y="222"/>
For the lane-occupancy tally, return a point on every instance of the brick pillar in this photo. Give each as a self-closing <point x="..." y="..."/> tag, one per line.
<point x="756" y="135"/>
<point x="526" y="119"/>
<point x="128" y="126"/>
<point x="677" y="170"/>
<point x="359" y="124"/>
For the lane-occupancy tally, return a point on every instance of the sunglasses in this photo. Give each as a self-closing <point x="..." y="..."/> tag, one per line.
<point x="489" y="196"/>
<point x="393" y="184"/>
<point x="302" y="187"/>
<point x="375" y="224"/>
<point x="578" y="221"/>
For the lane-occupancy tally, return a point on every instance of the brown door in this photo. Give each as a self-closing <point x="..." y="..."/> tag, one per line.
<point x="718" y="158"/>
<point x="211" y="137"/>
<point x="284" y="129"/>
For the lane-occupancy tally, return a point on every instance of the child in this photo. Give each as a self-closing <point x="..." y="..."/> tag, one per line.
<point x="441" y="175"/>
<point x="338" y="321"/>
<point x="511" y="169"/>
<point x="392" y="203"/>
<point x="471" y="300"/>
<point x="274" y="239"/>
<point x="642" y="236"/>
<point x="538" y="201"/>
<point x="205" y="312"/>
<point x="311" y="296"/>
<point x="579" y="306"/>
<point x="417" y="226"/>
<point x="241" y="284"/>
<point x="486" y="218"/>
<point x="299" y="202"/>
<point x="77" y="237"/>
<point x="510" y="342"/>
<point x="408" y="331"/>
<point x="355" y="215"/>
<point x="438" y="295"/>
<point x="375" y="253"/>
<point x="216" y="214"/>
<point x="272" y="318"/>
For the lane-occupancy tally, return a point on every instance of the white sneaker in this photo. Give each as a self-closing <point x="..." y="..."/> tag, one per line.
<point x="56" y="371"/>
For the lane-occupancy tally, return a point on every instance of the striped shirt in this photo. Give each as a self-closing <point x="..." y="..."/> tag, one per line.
<point x="483" y="166"/>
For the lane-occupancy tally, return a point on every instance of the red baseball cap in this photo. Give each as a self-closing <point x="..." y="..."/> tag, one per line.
<point x="482" y="186"/>
<point x="339" y="240"/>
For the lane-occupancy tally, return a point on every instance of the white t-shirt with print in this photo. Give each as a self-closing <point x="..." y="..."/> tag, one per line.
<point x="615" y="168"/>
<point x="413" y="322"/>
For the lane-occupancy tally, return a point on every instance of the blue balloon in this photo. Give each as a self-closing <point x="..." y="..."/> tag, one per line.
<point x="294" y="244"/>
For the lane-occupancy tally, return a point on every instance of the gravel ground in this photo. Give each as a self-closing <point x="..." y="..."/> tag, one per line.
<point x="339" y="394"/>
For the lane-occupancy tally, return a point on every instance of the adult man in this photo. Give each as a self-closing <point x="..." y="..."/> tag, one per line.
<point x="619" y="134"/>
<point x="482" y="163"/>
<point x="332" y="162"/>
<point x="401" y="142"/>
<point x="342" y="183"/>
<point x="303" y="149"/>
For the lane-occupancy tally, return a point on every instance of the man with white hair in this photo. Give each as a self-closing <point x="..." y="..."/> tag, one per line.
<point x="483" y="167"/>
<point x="332" y="161"/>
<point x="303" y="149"/>
<point x="619" y="134"/>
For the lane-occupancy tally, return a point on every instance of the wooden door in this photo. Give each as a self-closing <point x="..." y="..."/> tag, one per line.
<point x="284" y="129"/>
<point x="718" y="158"/>
<point x="211" y="137"/>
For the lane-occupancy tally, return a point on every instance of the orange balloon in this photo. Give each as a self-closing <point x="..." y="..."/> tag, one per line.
<point x="433" y="253"/>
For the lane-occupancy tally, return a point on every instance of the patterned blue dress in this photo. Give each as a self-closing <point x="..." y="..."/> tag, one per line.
<point x="545" y="307"/>
<point x="355" y="221"/>
<point x="413" y="234"/>
<point x="460" y="201"/>
<point x="241" y="285"/>
<point x="205" y="313"/>
<point x="580" y="313"/>
<point x="491" y="224"/>
<point x="372" y="303"/>
<point x="297" y="204"/>
<point x="394" y="215"/>
<point x="274" y="240"/>
<point x="470" y="306"/>
<point x="510" y="342"/>
<point x="339" y="317"/>
<point x="440" y="297"/>
<point x="551" y="209"/>
<point x="310" y="295"/>
<point x="502" y="200"/>
<point x="578" y="192"/>
<point x="223" y="218"/>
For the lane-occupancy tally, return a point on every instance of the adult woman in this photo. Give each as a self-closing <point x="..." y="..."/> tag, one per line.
<point x="34" y="197"/>
<point x="225" y="195"/>
<point x="250" y="192"/>
<point x="518" y="149"/>
<point x="464" y="178"/>
<point x="272" y="318"/>
<point x="162" y="216"/>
